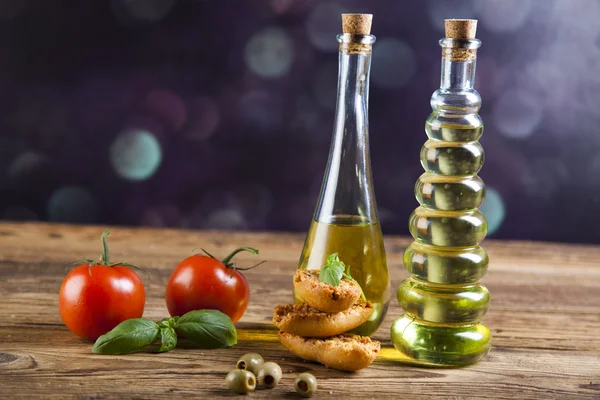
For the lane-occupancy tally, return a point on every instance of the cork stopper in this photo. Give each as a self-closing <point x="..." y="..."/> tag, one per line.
<point x="357" y="24"/>
<point x="460" y="28"/>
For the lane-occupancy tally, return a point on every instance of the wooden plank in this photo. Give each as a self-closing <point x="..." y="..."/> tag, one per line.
<point x="545" y="317"/>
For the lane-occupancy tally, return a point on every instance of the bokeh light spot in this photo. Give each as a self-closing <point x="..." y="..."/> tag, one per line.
<point x="255" y="201"/>
<point x="203" y="118"/>
<point x="323" y="25"/>
<point x="166" y="105"/>
<point x="162" y="216"/>
<point x="517" y="113"/>
<point x="290" y="6"/>
<point x="536" y="76"/>
<point x="260" y="110"/>
<point x="72" y="204"/>
<point x="493" y="209"/>
<point x="394" y="63"/>
<point x="149" y="10"/>
<point x="135" y="155"/>
<point x="226" y="218"/>
<point x="306" y="117"/>
<point x="269" y="53"/>
<point x="543" y="178"/>
<point x="503" y="15"/>
<point x="26" y="163"/>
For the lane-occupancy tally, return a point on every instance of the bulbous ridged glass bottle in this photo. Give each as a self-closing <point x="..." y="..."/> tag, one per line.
<point x="345" y="219"/>
<point x="442" y="298"/>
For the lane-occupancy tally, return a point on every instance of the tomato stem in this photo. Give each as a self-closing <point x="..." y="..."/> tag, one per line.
<point x="234" y="266"/>
<point x="208" y="254"/>
<point x="227" y="260"/>
<point x="133" y="267"/>
<point x="104" y="257"/>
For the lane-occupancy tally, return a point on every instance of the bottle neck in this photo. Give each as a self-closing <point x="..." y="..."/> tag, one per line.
<point x="459" y="59"/>
<point x="351" y="115"/>
<point x="457" y="74"/>
<point x="347" y="186"/>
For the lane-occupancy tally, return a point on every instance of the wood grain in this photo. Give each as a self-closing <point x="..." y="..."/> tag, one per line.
<point x="545" y="318"/>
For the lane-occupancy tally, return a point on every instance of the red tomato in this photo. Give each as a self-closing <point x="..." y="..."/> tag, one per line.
<point x="205" y="283"/>
<point x="94" y="300"/>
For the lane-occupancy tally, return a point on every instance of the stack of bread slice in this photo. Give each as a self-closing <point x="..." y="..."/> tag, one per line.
<point x="316" y="329"/>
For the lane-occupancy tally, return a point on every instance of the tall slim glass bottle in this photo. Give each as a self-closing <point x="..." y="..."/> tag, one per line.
<point x="442" y="298"/>
<point x="345" y="219"/>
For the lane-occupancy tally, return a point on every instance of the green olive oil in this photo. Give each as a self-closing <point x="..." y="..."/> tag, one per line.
<point x="442" y="299"/>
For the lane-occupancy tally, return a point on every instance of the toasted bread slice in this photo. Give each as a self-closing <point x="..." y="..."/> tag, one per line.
<point x="343" y="352"/>
<point x="322" y="296"/>
<point x="303" y="320"/>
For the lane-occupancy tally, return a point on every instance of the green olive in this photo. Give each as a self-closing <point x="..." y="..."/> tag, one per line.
<point x="240" y="381"/>
<point x="269" y="375"/>
<point x="250" y="362"/>
<point x="306" y="384"/>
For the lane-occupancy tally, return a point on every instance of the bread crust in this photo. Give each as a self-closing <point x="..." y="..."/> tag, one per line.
<point x="322" y="296"/>
<point x="342" y="352"/>
<point x="303" y="320"/>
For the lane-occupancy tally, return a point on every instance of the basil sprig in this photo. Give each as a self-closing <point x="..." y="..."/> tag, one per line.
<point x="334" y="270"/>
<point x="331" y="273"/>
<point x="208" y="329"/>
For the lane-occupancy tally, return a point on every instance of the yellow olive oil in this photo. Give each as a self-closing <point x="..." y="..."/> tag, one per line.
<point x="359" y="245"/>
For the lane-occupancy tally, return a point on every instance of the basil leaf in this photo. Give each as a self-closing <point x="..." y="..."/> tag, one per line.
<point x="209" y="329"/>
<point x="168" y="339"/>
<point x="331" y="273"/>
<point x="330" y="276"/>
<point x="168" y="322"/>
<point x="127" y="337"/>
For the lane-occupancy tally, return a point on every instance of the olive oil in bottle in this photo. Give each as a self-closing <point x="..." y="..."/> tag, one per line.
<point x="359" y="244"/>
<point x="345" y="219"/>
<point x="442" y="298"/>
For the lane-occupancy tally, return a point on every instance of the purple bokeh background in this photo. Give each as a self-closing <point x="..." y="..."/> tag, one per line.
<point x="219" y="114"/>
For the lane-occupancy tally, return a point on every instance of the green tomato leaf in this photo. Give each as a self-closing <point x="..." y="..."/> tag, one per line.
<point x="331" y="273"/>
<point x="168" y="339"/>
<point x="129" y="336"/>
<point x="209" y="329"/>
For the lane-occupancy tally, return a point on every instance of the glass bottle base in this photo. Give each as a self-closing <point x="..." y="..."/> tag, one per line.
<point x="440" y="345"/>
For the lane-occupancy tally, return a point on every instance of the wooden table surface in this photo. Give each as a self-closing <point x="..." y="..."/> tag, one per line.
<point x="544" y="316"/>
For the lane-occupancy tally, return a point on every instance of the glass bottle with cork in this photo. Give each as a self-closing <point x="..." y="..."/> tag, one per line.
<point x="442" y="298"/>
<point x="345" y="220"/>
